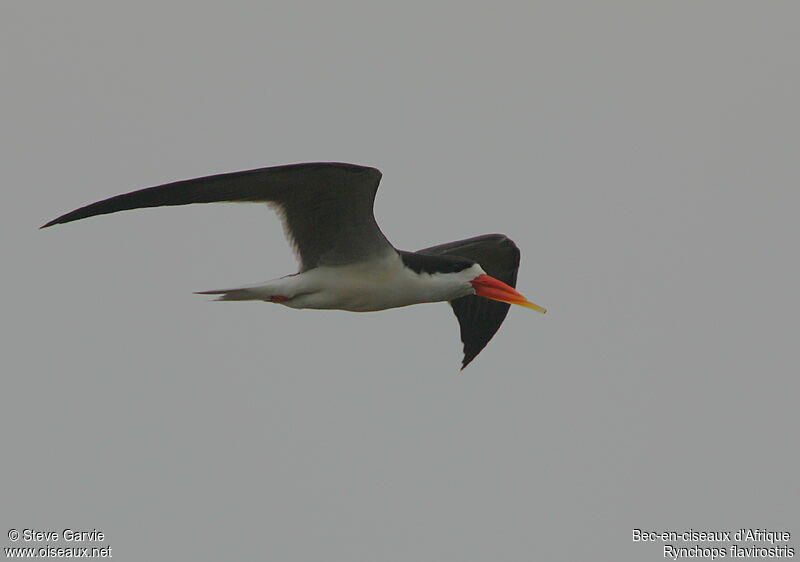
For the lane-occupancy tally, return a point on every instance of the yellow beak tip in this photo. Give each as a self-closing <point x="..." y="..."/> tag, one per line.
<point x="535" y="307"/>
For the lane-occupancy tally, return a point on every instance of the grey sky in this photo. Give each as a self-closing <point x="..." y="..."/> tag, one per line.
<point x="643" y="156"/>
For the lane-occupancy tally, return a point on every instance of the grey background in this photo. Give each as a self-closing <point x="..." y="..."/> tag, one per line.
<point x="644" y="156"/>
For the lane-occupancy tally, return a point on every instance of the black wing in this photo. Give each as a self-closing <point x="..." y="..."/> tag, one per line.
<point x="326" y="208"/>
<point x="480" y="318"/>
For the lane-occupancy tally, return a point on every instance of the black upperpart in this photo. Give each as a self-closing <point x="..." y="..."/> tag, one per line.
<point x="421" y="263"/>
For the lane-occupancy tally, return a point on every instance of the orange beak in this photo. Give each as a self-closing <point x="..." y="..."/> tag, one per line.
<point x="490" y="288"/>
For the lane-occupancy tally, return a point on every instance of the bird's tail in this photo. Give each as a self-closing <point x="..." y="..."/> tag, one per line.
<point x="251" y="293"/>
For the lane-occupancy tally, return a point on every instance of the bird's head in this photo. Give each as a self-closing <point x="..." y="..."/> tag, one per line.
<point x="449" y="277"/>
<point x="488" y="287"/>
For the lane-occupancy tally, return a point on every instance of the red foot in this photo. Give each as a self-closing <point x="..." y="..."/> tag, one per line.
<point x="278" y="298"/>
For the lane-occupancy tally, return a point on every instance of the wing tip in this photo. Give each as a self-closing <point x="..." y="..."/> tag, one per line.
<point x="469" y="356"/>
<point x="51" y="223"/>
<point x="69" y="217"/>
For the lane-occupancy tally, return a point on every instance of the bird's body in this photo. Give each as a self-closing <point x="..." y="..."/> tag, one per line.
<point x="346" y="262"/>
<point x="378" y="284"/>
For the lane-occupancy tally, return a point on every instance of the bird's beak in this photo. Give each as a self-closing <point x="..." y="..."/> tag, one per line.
<point x="490" y="288"/>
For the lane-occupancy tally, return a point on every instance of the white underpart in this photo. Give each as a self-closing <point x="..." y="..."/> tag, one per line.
<point x="361" y="287"/>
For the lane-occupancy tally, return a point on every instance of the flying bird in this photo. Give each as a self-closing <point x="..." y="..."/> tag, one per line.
<point x="345" y="260"/>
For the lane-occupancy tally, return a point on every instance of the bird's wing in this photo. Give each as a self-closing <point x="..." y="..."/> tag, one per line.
<point x="326" y="208"/>
<point x="480" y="318"/>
